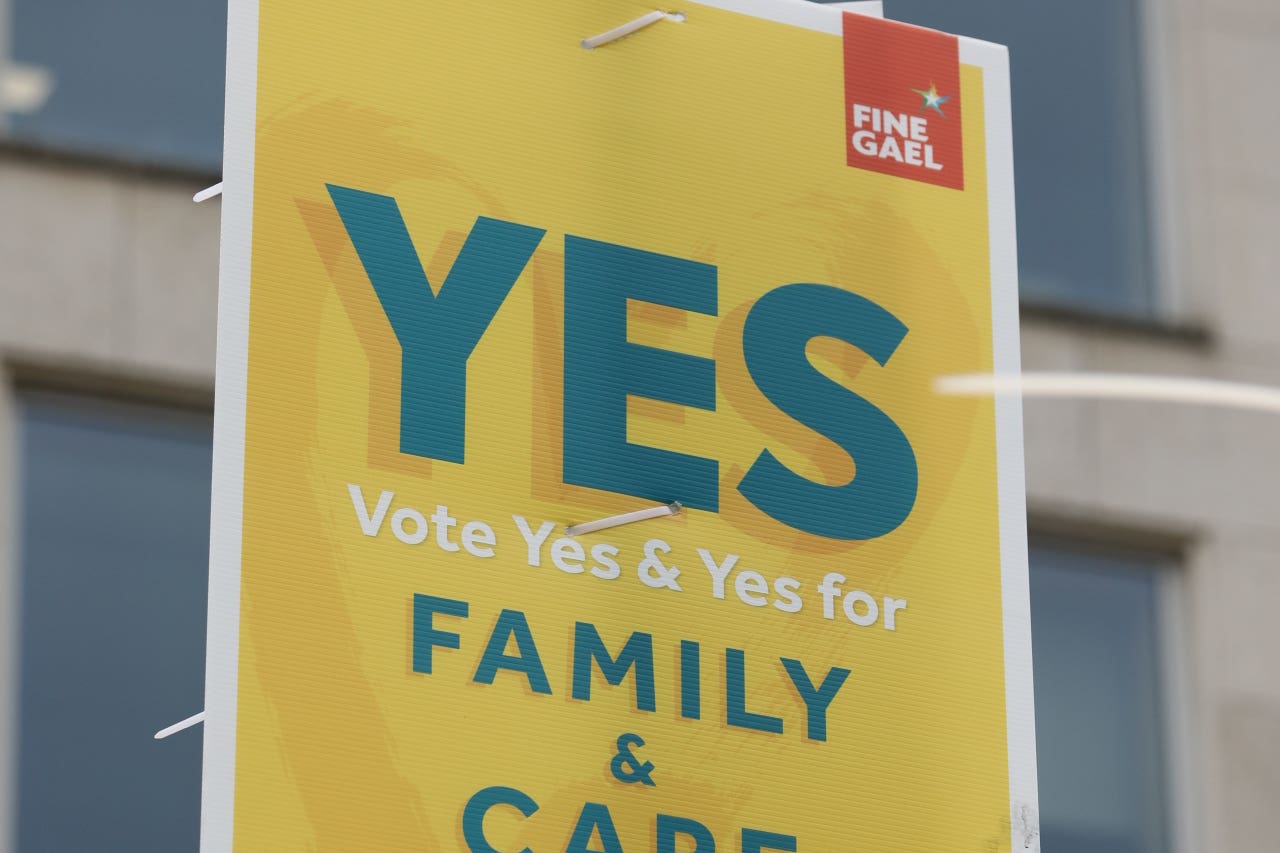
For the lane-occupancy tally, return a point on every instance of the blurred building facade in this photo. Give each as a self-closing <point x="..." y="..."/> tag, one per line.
<point x="1147" y="203"/>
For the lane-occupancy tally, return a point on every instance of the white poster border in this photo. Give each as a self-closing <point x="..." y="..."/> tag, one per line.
<point x="1020" y="727"/>
<point x="222" y="654"/>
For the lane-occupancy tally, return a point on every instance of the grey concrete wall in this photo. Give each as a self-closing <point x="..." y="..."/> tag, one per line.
<point x="108" y="281"/>
<point x="107" y="272"/>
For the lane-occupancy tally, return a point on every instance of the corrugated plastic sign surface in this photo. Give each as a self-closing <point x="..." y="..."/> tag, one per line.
<point x="481" y="284"/>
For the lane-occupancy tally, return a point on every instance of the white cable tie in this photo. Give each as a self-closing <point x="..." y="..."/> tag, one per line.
<point x="208" y="193"/>
<point x="626" y="518"/>
<point x="1116" y="386"/>
<point x="193" y="720"/>
<point x="630" y="27"/>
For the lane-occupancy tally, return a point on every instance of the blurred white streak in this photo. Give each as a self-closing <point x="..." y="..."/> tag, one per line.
<point x="194" y="719"/>
<point x="1118" y="386"/>
<point x="24" y="88"/>
<point x="208" y="193"/>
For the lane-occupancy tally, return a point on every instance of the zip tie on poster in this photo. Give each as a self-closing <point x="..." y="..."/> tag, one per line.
<point x="208" y="193"/>
<point x="181" y="725"/>
<point x="663" y="511"/>
<point x="630" y="27"/>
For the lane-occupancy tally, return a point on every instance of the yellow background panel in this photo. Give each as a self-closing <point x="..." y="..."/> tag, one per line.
<point x="719" y="140"/>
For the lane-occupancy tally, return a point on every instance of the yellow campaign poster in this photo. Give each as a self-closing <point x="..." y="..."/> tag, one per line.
<point x="581" y="481"/>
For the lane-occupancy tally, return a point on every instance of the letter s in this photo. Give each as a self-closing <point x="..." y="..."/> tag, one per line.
<point x="883" y="490"/>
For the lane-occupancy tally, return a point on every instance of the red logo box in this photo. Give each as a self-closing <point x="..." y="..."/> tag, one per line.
<point x="902" y="101"/>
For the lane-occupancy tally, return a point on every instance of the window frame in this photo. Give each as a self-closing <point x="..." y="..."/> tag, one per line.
<point x="6" y="57"/>
<point x="1175" y="267"/>
<point x="10" y="603"/>
<point x="1182" y="760"/>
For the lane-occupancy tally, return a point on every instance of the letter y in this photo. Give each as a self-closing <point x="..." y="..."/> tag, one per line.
<point x="438" y="330"/>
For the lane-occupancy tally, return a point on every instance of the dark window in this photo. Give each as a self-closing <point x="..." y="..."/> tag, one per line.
<point x="139" y="80"/>
<point x="114" y="555"/>
<point x="1100" y="722"/>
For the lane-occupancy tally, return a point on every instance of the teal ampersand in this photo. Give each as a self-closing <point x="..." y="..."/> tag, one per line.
<point x="626" y="767"/>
